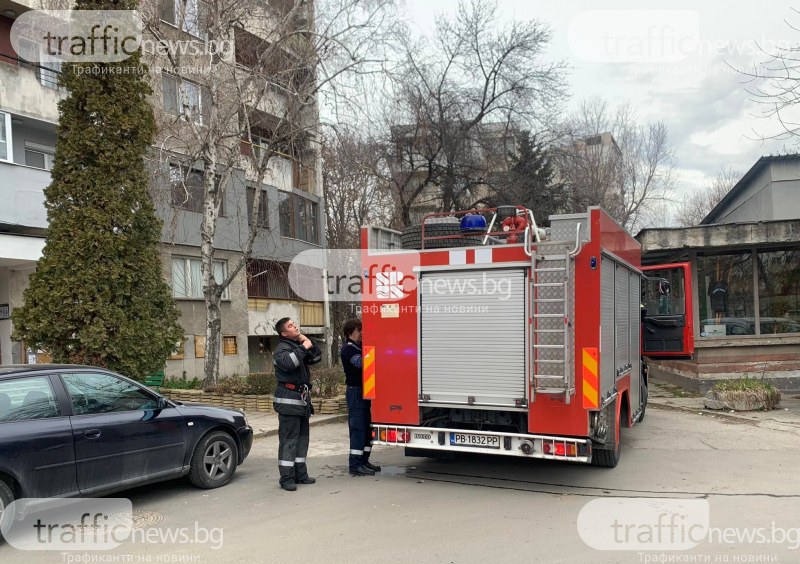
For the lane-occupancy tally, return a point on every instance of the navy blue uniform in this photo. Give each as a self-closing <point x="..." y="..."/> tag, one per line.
<point x="358" y="409"/>
<point x="293" y="406"/>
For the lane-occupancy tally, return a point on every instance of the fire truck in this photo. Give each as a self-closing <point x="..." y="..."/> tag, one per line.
<point x="485" y="333"/>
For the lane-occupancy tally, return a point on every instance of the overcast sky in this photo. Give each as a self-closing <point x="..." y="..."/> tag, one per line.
<point x="672" y="65"/>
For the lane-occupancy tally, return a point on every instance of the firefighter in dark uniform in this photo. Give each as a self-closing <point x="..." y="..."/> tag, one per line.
<point x="359" y="417"/>
<point x="293" y="355"/>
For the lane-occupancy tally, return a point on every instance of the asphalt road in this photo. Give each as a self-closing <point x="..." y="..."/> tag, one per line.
<point x="479" y="509"/>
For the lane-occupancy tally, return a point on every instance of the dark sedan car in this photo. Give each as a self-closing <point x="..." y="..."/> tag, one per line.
<point x="69" y="430"/>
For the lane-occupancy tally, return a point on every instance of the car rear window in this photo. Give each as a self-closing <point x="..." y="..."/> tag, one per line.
<point x="27" y="398"/>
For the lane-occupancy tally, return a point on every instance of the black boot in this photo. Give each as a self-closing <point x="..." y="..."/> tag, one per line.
<point x="361" y="471"/>
<point x="373" y="467"/>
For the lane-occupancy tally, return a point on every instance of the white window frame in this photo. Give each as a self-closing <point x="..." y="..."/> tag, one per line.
<point x="183" y="90"/>
<point x="187" y="17"/>
<point x="7" y="139"/>
<point x="47" y="151"/>
<point x="191" y="292"/>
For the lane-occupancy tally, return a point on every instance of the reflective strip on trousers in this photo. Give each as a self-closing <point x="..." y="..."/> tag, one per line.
<point x="285" y="463"/>
<point x="300" y="460"/>
<point x="289" y="401"/>
<point x="367" y="449"/>
<point x="358" y="452"/>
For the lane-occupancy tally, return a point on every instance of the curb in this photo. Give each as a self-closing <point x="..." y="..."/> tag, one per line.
<point x="312" y="423"/>
<point x="702" y="411"/>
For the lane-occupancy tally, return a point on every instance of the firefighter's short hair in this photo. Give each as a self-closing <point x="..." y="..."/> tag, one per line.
<point x="351" y="325"/>
<point x="280" y="326"/>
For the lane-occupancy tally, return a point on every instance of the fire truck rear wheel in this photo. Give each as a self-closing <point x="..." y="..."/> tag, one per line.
<point x="609" y="457"/>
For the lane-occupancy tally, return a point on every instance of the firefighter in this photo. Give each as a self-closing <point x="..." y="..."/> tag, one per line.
<point x="359" y="418"/>
<point x="293" y="355"/>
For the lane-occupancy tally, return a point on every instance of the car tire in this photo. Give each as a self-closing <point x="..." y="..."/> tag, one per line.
<point x="6" y="497"/>
<point x="214" y="460"/>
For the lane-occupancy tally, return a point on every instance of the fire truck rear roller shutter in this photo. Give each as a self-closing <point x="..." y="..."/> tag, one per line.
<point x="473" y="344"/>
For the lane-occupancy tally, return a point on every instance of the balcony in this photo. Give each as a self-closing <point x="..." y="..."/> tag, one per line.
<point x="264" y="312"/>
<point x="29" y="91"/>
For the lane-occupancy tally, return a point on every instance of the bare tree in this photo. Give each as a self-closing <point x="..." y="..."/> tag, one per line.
<point x="476" y="75"/>
<point x="698" y="205"/>
<point x="355" y="195"/>
<point x="611" y="160"/>
<point x="239" y="86"/>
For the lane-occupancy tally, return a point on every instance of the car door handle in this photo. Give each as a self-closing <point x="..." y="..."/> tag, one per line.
<point x="92" y="433"/>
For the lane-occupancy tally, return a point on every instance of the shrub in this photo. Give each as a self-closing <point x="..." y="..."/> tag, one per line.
<point x="183" y="383"/>
<point x="229" y="385"/>
<point x="261" y="383"/>
<point x="329" y="381"/>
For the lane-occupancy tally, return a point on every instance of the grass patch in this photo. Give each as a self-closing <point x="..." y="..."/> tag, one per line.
<point x="746" y="394"/>
<point x="743" y="385"/>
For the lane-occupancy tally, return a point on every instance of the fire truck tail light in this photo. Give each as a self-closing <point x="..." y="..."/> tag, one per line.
<point x="560" y="449"/>
<point x="395" y="436"/>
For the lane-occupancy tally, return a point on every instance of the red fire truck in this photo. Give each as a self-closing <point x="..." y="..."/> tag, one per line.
<point x="484" y="333"/>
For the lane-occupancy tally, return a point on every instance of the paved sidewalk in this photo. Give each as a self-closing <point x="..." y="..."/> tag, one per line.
<point x="786" y="417"/>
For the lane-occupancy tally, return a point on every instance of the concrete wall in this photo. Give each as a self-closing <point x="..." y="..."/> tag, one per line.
<point x="193" y="314"/>
<point x="754" y="203"/>
<point x="21" y="93"/>
<point x="773" y="359"/>
<point x="786" y="199"/>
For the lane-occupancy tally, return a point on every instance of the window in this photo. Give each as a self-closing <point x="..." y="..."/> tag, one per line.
<point x="103" y="393"/>
<point x="39" y="156"/>
<point x="179" y="352"/>
<point x="271" y="279"/>
<point x="199" y="346"/>
<point x="187" y="15"/>
<point x="664" y="296"/>
<point x="186" y="98"/>
<point x="263" y="212"/>
<point x="229" y="345"/>
<point x="779" y="291"/>
<point x="5" y="137"/>
<point x="23" y="399"/>
<point x="299" y="217"/>
<point x="187" y="277"/>
<point x="188" y="191"/>
<point x="725" y="294"/>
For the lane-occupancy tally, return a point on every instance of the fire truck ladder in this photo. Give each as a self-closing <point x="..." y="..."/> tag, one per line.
<point x="551" y="320"/>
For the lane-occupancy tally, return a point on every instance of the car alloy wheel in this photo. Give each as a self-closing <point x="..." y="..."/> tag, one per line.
<point x="214" y="460"/>
<point x="217" y="460"/>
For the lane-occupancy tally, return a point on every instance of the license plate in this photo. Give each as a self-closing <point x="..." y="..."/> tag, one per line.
<point x="464" y="439"/>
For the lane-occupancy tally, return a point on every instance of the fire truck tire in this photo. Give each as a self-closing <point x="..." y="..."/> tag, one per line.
<point x="411" y="238"/>
<point x="608" y="457"/>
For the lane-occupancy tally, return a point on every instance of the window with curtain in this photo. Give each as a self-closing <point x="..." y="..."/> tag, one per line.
<point x="187" y="277"/>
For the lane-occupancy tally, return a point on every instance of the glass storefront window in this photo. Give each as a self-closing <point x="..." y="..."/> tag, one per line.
<point x="779" y="291"/>
<point x="725" y="295"/>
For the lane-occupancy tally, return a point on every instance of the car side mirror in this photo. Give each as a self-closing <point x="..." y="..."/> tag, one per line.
<point x="163" y="402"/>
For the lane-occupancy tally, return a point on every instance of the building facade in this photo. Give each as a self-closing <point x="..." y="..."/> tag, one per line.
<point x="290" y="218"/>
<point x="745" y="268"/>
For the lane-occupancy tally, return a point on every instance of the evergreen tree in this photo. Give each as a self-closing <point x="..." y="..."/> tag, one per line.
<point x="530" y="181"/>
<point x="98" y="295"/>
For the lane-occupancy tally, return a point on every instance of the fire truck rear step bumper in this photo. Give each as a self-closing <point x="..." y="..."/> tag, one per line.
<point x="486" y="442"/>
